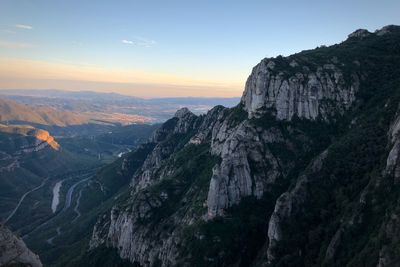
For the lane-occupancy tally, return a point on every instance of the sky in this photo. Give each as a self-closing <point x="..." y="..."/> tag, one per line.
<point x="167" y="48"/>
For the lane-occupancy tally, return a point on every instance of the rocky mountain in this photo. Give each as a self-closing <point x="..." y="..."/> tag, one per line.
<point x="13" y="251"/>
<point x="303" y="172"/>
<point x="31" y="139"/>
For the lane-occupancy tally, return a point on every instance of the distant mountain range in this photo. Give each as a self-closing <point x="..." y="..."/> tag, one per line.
<point x="14" y="111"/>
<point x="113" y="107"/>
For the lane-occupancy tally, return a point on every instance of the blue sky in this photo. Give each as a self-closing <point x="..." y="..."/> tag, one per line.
<point x="208" y="46"/>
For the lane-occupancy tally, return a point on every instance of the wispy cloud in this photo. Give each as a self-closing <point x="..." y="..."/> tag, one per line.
<point x="24" y="26"/>
<point x="139" y="41"/>
<point x="12" y="45"/>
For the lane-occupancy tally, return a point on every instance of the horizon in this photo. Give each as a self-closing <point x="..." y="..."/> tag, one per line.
<point x="35" y="92"/>
<point x="199" y="50"/>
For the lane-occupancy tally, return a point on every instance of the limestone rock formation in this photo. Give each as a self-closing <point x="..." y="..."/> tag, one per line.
<point x="302" y="93"/>
<point x="34" y="139"/>
<point x="13" y="251"/>
<point x="298" y="174"/>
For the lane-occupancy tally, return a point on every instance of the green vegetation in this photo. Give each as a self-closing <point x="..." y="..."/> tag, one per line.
<point x="232" y="240"/>
<point x="189" y="181"/>
<point x="358" y="149"/>
<point x="237" y="114"/>
<point x="355" y="162"/>
<point x="108" y="187"/>
<point x="103" y="256"/>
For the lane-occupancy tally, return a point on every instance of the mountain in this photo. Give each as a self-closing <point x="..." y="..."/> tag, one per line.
<point x="53" y="93"/>
<point x="40" y="138"/>
<point x="114" y="97"/>
<point x="115" y="108"/>
<point x="13" y="251"/>
<point x="13" y="111"/>
<point x="303" y="172"/>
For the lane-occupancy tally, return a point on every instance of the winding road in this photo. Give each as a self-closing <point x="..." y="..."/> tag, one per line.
<point x="67" y="205"/>
<point x="22" y="199"/>
<point x="68" y="198"/>
<point x="76" y="208"/>
<point x="50" y="240"/>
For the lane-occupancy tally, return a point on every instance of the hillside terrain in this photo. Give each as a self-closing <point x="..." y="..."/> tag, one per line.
<point x="303" y="172"/>
<point x="44" y="178"/>
<point x="13" y="111"/>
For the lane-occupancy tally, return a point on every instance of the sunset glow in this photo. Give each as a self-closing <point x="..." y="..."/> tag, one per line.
<point x="180" y="48"/>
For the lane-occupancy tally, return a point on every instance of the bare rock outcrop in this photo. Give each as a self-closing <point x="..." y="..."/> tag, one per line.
<point x="13" y="251"/>
<point x="302" y="93"/>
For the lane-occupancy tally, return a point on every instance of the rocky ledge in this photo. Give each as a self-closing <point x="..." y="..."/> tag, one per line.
<point x="13" y="251"/>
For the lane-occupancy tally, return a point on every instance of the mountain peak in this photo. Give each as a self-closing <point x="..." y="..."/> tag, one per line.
<point x="288" y="87"/>
<point x="180" y="113"/>
<point x="310" y="84"/>
<point x="360" y="33"/>
<point x="42" y="138"/>
<point x="387" y="29"/>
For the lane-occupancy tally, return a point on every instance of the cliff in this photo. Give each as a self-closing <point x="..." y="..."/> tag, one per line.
<point x="13" y="251"/>
<point x="27" y="139"/>
<point x="303" y="172"/>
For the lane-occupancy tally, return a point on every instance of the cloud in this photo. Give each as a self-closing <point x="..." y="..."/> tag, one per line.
<point x="5" y="44"/>
<point x="127" y="42"/>
<point x="139" y="41"/>
<point x="24" y="26"/>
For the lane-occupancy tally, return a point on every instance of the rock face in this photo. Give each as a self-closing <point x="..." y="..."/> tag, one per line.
<point x="393" y="159"/>
<point x="34" y="139"/>
<point x="298" y="174"/>
<point x="302" y="93"/>
<point x="182" y="123"/>
<point x="13" y="251"/>
<point x="124" y="228"/>
<point x="288" y="204"/>
<point x="361" y="33"/>
<point x="233" y="178"/>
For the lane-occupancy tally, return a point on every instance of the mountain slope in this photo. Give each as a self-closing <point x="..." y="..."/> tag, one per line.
<point x="13" y="111"/>
<point x="30" y="157"/>
<point x="303" y="172"/>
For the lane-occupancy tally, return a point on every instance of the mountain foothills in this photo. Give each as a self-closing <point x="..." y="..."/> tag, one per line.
<point x="304" y="171"/>
<point x="13" y="111"/>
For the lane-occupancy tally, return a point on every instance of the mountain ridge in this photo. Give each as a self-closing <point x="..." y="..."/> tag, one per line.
<point x="267" y="153"/>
